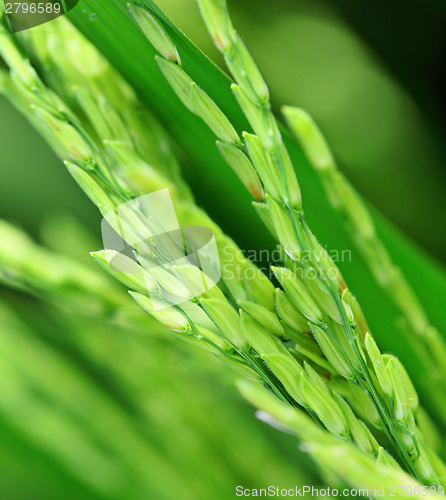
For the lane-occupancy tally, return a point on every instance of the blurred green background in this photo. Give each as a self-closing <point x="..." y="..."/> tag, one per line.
<point x="373" y="77"/>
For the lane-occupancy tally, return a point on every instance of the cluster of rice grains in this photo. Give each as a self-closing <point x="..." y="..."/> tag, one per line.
<point x="308" y="341"/>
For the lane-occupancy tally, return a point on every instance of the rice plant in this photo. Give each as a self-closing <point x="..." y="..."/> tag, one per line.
<point x="146" y="401"/>
<point x="296" y="335"/>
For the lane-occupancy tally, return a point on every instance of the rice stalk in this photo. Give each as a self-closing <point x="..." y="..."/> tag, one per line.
<point x="120" y="335"/>
<point x="429" y="343"/>
<point x="342" y="459"/>
<point x="212" y="320"/>
<point x="282" y="205"/>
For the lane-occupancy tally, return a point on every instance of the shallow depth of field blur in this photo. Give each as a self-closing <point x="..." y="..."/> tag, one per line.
<point x="373" y="76"/>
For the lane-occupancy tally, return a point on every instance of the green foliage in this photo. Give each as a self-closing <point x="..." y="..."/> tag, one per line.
<point x="308" y="343"/>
